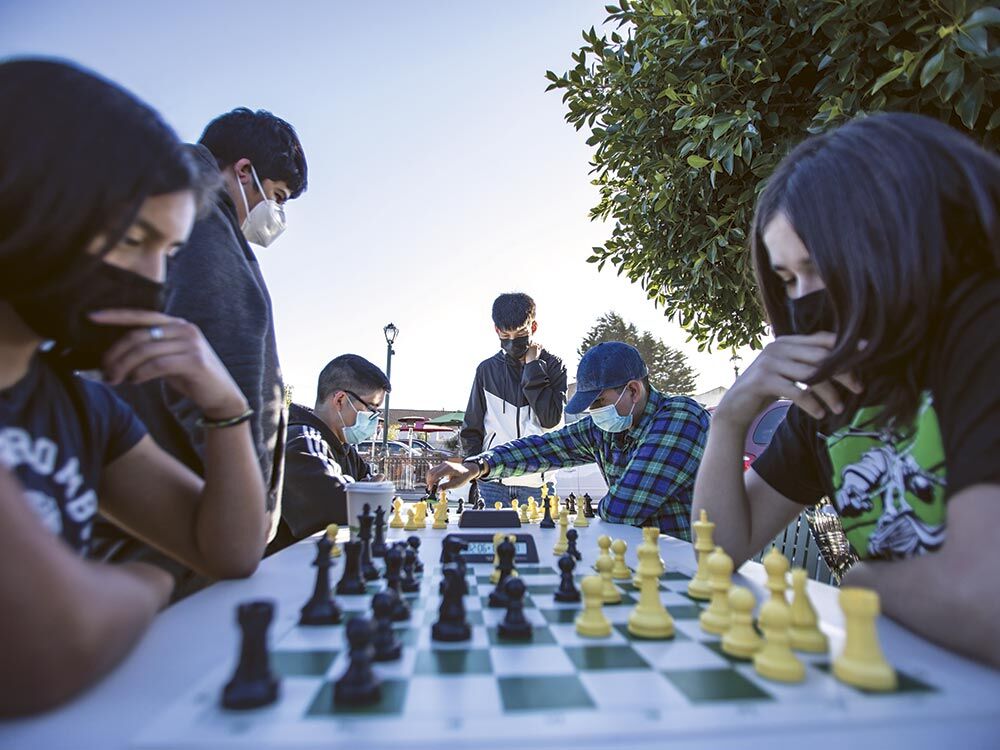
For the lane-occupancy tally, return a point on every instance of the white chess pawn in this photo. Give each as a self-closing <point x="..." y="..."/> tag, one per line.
<point x="591" y="622"/>
<point x="715" y="619"/>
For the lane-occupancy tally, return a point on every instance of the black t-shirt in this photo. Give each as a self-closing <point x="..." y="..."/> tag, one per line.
<point x="891" y="485"/>
<point x="57" y="433"/>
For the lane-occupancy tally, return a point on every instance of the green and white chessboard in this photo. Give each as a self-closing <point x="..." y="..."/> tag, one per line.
<point x="488" y="692"/>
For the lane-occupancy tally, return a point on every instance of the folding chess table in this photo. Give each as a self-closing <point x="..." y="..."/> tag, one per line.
<point x="559" y="690"/>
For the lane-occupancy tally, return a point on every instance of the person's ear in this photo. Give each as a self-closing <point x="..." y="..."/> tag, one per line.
<point x="497" y="329"/>
<point x="243" y="174"/>
<point x="534" y="327"/>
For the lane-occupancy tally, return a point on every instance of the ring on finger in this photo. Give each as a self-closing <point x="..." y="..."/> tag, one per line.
<point x="156" y="333"/>
<point x="800" y="385"/>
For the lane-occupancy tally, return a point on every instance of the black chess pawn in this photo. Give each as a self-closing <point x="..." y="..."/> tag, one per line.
<point x="378" y="542"/>
<point x="461" y="506"/>
<point x="514" y="623"/>
<point x="505" y="555"/>
<point x="414" y="542"/>
<point x="571" y="503"/>
<point x="393" y="582"/>
<point x="409" y="584"/>
<point x="385" y="641"/>
<point x="547" y="522"/>
<point x="253" y="684"/>
<point x="321" y="609"/>
<point x="571" y="549"/>
<point x="588" y="509"/>
<point x="368" y="570"/>
<point x="567" y="591"/>
<point x="359" y="685"/>
<point x="451" y="624"/>
<point x="351" y="583"/>
<point x="480" y="504"/>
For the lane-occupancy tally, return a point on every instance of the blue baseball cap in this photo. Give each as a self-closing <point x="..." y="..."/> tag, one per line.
<point x="611" y="364"/>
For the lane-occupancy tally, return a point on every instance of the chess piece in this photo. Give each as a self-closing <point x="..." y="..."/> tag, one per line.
<point x="580" y="521"/>
<point x="495" y="574"/>
<point x="385" y="642"/>
<point x="804" y="633"/>
<point x="359" y="685"/>
<point x="461" y="506"/>
<point x="591" y="622"/>
<point x="567" y="591"/>
<point x="862" y="663"/>
<point x="378" y="542"/>
<point x="571" y="548"/>
<point x="451" y="624"/>
<point x="331" y="533"/>
<point x="498" y="505"/>
<point x="776" y="565"/>
<point x="604" y="545"/>
<point x="609" y="593"/>
<point x="411" y="520"/>
<point x="514" y="623"/>
<point x="619" y="570"/>
<point x="562" y="544"/>
<point x="741" y="640"/>
<point x="321" y="609"/>
<point x="397" y="519"/>
<point x="414" y="542"/>
<point x="775" y="659"/>
<point x="351" y="583"/>
<point x="451" y="552"/>
<point x="409" y="584"/>
<point x="505" y="553"/>
<point x="699" y="587"/>
<point x="571" y="504"/>
<point x="253" y="684"/>
<point x="547" y="522"/>
<point x="650" y="537"/>
<point x="715" y="619"/>
<point x="393" y="582"/>
<point x="441" y="513"/>
<point x="533" y="516"/>
<point x="650" y="618"/>
<point x="368" y="570"/>
<point x="523" y="515"/>
<point x="588" y="508"/>
<point x="515" y="504"/>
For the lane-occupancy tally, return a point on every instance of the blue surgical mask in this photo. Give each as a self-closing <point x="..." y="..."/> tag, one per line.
<point x="608" y="419"/>
<point x="365" y="425"/>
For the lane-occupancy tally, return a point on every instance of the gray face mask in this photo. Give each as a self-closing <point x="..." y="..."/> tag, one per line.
<point x="515" y="348"/>
<point x="266" y="222"/>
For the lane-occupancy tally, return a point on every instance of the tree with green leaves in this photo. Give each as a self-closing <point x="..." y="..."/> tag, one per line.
<point x="691" y="104"/>
<point x="669" y="371"/>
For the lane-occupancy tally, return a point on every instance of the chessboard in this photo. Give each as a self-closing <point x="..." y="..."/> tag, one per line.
<point x="553" y="690"/>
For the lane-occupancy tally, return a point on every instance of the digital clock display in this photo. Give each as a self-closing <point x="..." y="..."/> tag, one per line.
<point x="486" y="548"/>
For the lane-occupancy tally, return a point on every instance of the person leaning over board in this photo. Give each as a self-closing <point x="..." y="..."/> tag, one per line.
<point x="321" y="456"/>
<point x="646" y="444"/>
<point x="95" y="192"/>
<point x="877" y="253"/>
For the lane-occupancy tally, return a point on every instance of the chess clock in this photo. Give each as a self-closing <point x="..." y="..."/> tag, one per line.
<point x="480" y="548"/>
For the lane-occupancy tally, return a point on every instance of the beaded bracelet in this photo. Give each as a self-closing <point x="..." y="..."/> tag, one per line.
<point x="216" y="424"/>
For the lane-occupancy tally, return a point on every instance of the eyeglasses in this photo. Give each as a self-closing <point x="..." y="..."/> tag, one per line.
<point x="368" y="407"/>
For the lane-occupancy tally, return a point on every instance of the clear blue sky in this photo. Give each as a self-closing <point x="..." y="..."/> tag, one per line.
<point x="440" y="172"/>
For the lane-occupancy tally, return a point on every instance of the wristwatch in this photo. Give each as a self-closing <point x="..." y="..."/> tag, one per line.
<point x="484" y="468"/>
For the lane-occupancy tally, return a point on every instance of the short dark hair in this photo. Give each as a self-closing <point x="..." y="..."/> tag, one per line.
<point x="269" y="142"/>
<point x="512" y="310"/>
<point x="78" y="157"/>
<point x="349" y="372"/>
<point x="895" y="210"/>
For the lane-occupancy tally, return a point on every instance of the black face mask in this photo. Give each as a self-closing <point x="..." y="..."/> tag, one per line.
<point x="60" y="311"/>
<point x="811" y="313"/>
<point x="515" y="348"/>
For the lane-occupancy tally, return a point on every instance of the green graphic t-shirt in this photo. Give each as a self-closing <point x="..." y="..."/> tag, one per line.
<point x="892" y="486"/>
<point x="888" y="484"/>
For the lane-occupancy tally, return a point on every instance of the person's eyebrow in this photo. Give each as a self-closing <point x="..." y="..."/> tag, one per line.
<point x="150" y="227"/>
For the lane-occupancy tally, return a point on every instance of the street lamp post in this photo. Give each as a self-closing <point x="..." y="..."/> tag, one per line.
<point x="390" y="332"/>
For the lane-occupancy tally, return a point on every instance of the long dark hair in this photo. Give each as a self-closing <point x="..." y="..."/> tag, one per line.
<point x="78" y="156"/>
<point x="895" y="210"/>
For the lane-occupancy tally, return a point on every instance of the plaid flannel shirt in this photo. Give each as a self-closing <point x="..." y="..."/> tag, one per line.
<point x="649" y="468"/>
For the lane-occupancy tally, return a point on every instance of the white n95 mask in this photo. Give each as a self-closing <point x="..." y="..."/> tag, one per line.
<point x="266" y="222"/>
